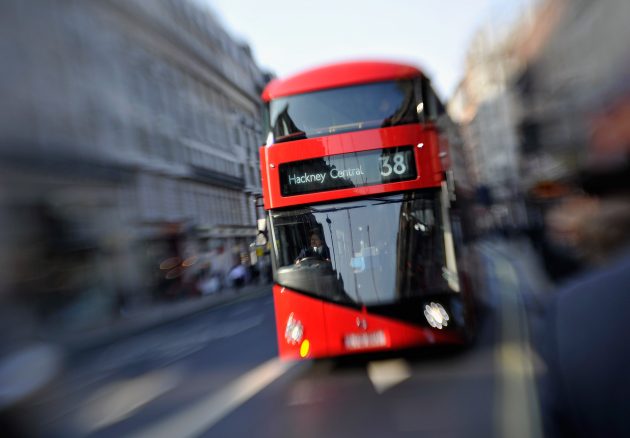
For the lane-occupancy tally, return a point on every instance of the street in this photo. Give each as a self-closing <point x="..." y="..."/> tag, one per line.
<point x="216" y="374"/>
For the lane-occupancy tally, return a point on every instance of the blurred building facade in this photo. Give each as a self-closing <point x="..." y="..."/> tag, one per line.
<point x="544" y="105"/>
<point x="576" y="65"/>
<point x="489" y="106"/>
<point x="574" y="137"/>
<point x="485" y="107"/>
<point x="129" y="133"/>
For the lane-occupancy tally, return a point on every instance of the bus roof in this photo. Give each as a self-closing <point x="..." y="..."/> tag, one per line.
<point x="338" y="75"/>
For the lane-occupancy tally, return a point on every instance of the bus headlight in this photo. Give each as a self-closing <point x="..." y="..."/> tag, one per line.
<point x="436" y="315"/>
<point x="294" y="330"/>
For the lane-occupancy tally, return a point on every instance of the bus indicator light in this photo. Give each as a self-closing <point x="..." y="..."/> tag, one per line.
<point x="305" y="348"/>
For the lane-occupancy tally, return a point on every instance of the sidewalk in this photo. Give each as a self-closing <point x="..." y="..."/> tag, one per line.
<point x="152" y="316"/>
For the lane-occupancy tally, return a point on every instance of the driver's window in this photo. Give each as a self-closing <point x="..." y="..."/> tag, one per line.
<point x="315" y="247"/>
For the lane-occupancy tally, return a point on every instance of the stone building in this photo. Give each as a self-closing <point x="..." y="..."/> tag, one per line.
<point x="490" y="108"/>
<point x="129" y="132"/>
<point x="484" y="106"/>
<point x="576" y="68"/>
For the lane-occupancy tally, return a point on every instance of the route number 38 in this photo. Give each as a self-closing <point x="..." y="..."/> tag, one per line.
<point x="398" y="166"/>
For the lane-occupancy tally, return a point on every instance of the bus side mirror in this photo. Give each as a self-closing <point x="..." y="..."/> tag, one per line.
<point x="261" y="238"/>
<point x="261" y="224"/>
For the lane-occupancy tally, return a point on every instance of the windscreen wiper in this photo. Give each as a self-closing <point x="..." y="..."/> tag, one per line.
<point x="332" y="209"/>
<point x="380" y="201"/>
<point x="298" y="135"/>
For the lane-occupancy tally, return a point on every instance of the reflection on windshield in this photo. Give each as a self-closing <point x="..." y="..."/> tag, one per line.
<point x="372" y="251"/>
<point x="343" y="109"/>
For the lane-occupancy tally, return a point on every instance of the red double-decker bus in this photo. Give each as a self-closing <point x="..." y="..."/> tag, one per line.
<point x="365" y="226"/>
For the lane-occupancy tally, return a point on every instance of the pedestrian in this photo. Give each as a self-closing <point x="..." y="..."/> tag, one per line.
<point x="238" y="275"/>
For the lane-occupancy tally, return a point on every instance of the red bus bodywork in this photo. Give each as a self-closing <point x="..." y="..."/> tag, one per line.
<point x="338" y="75"/>
<point x="430" y="172"/>
<point x="325" y="324"/>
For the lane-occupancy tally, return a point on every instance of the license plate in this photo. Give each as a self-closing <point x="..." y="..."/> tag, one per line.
<point x="365" y="340"/>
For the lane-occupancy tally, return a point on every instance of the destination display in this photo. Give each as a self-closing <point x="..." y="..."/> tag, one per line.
<point x="345" y="171"/>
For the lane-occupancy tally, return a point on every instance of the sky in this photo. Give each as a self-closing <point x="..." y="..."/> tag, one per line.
<point x="287" y="36"/>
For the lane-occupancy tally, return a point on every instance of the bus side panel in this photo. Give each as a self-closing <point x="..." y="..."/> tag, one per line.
<point x="309" y="312"/>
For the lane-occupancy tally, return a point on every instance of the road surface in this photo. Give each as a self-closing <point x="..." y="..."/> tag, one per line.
<point x="215" y="373"/>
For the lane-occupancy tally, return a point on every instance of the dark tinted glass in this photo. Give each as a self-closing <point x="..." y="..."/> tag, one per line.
<point x="343" y="109"/>
<point x="375" y="251"/>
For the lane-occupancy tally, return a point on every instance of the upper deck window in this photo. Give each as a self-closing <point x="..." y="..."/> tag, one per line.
<point x="345" y="109"/>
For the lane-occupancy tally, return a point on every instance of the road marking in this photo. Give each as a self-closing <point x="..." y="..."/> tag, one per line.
<point x="388" y="373"/>
<point x="117" y="401"/>
<point x="516" y="406"/>
<point x="164" y="352"/>
<point x="210" y="410"/>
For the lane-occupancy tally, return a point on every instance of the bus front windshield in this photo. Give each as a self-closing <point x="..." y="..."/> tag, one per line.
<point x="344" y="109"/>
<point x="370" y="251"/>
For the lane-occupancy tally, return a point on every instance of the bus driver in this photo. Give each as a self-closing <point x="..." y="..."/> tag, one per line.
<point x="316" y="250"/>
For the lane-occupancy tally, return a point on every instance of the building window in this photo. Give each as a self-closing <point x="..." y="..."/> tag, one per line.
<point x="237" y="135"/>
